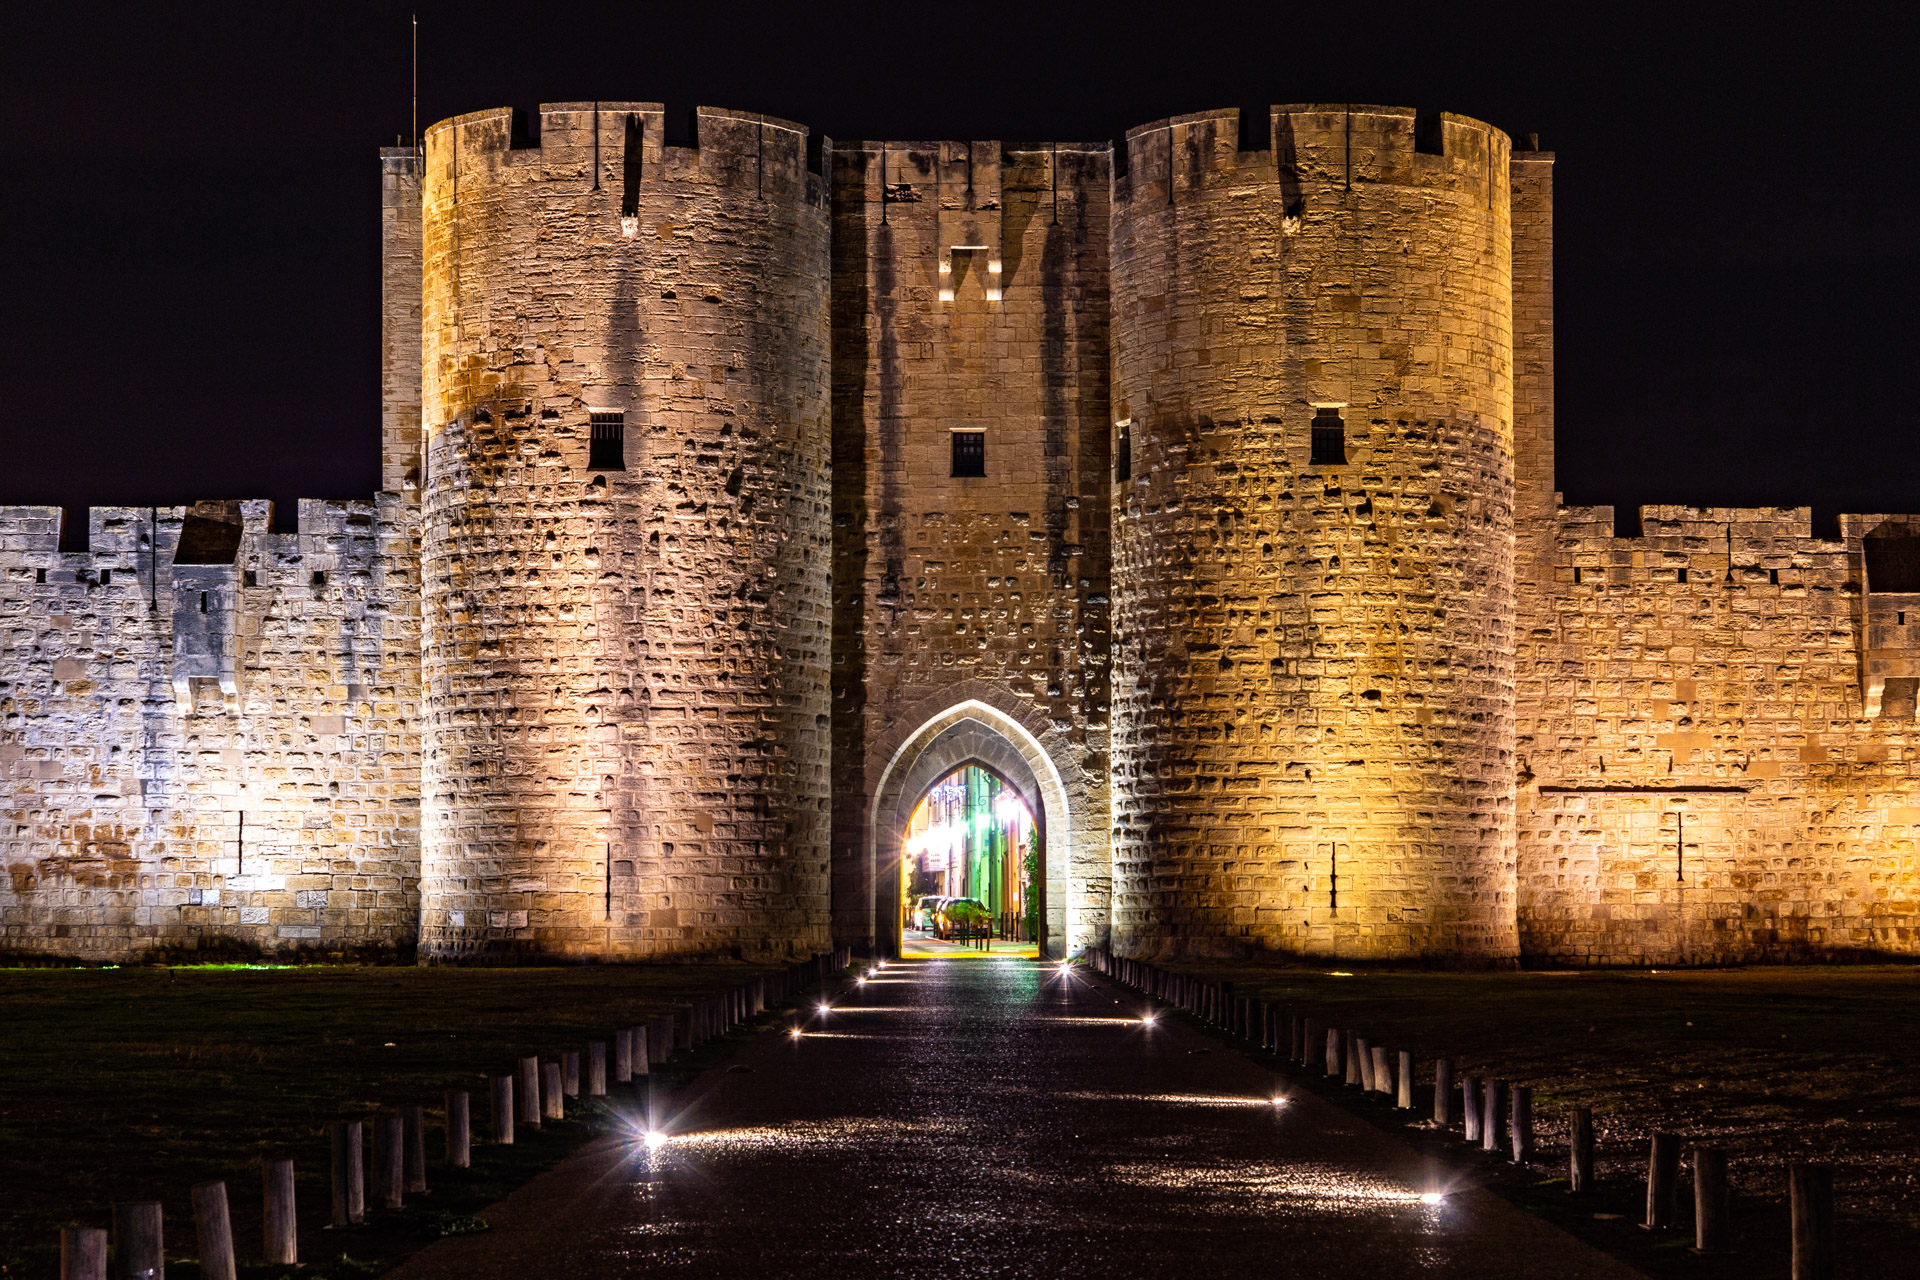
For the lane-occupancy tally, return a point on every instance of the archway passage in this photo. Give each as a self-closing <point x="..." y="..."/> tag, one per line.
<point x="970" y="870"/>
<point x="970" y="732"/>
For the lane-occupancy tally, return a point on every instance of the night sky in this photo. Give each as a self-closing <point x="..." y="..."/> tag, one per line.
<point x="191" y="205"/>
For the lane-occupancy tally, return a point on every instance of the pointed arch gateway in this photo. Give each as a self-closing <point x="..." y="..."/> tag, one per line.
<point x="970" y="733"/>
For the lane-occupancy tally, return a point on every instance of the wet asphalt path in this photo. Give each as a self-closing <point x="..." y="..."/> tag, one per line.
<point x="989" y="1118"/>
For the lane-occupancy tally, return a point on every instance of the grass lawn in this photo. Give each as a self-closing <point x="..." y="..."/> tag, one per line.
<point x="133" y="1084"/>
<point x="1773" y="1064"/>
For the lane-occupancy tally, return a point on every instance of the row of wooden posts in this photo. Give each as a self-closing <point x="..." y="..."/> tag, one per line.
<point x="535" y="1091"/>
<point x="1346" y="1055"/>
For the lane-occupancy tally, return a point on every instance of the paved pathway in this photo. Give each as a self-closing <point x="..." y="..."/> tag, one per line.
<point x="974" y="1119"/>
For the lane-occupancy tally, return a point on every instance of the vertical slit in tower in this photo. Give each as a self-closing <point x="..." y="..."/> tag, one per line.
<point x="631" y="161"/>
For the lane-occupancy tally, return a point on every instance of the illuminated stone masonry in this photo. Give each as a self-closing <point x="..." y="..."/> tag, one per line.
<point x="738" y="484"/>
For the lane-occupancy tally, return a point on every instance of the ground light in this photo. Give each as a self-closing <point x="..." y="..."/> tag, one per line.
<point x="1147" y="1018"/>
<point x="796" y="1033"/>
<point x="1432" y="1197"/>
<point x="655" y="1139"/>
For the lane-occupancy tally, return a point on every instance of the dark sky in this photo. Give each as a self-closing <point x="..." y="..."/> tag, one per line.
<point x="191" y="202"/>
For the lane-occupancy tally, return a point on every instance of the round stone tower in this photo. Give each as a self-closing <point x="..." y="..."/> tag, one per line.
<point x="1313" y="537"/>
<point x="625" y="536"/>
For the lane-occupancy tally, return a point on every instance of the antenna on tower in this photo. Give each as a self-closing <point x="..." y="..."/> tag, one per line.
<point x="416" y="85"/>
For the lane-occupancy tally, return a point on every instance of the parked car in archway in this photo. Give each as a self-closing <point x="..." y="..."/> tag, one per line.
<point x="925" y="914"/>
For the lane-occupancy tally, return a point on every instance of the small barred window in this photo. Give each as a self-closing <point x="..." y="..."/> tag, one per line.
<point x="969" y="453"/>
<point x="1329" y="439"/>
<point x="606" y="451"/>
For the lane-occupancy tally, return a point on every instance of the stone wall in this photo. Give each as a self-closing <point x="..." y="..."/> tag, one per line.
<point x="1704" y="777"/>
<point x="626" y="665"/>
<point x="210" y="758"/>
<point x="1312" y="688"/>
<point x="970" y="295"/>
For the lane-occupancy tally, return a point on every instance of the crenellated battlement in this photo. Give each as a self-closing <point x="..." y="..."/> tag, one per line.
<point x="345" y="532"/>
<point x="616" y="146"/>
<point x="400" y="163"/>
<point x="1313" y="144"/>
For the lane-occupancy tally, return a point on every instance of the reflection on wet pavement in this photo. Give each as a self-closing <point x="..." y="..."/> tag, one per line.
<point x="1001" y="1120"/>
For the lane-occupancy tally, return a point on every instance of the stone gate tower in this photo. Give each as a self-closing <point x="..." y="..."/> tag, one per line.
<point x="1313" y="536"/>
<point x="625" y="535"/>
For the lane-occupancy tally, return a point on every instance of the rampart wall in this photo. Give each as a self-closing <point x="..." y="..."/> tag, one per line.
<point x="212" y="757"/>
<point x="1709" y="772"/>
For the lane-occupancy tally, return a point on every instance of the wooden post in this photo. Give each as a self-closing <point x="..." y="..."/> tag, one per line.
<point x="1404" y="1099"/>
<point x="1356" y="1059"/>
<point x="1334" y="1046"/>
<point x="349" y="1173"/>
<point x="1443" y="1092"/>
<point x="279" y="1225"/>
<point x="1663" y="1181"/>
<point x="570" y="1073"/>
<point x="527" y="1106"/>
<point x="416" y="1118"/>
<point x="623" y="1055"/>
<point x="503" y="1109"/>
<point x="1814" y="1246"/>
<point x="1712" y="1202"/>
<point x="597" y="1069"/>
<point x="1520" y="1128"/>
<point x="1580" y="1172"/>
<point x="642" y="1056"/>
<point x="1470" y="1102"/>
<point x="213" y="1230"/>
<point x="389" y="1160"/>
<point x="556" y="1103"/>
<point x="459" y="1131"/>
<point x="1490" y="1114"/>
<point x="1382" y="1073"/>
<point x="83" y="1253"/>
<point x="660" y="1046"/>
<point x="139" y="1252"/>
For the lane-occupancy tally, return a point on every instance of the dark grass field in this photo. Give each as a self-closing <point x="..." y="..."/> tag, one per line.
<point x="133" y="1084"/>
<point x="1773" y="1064"/>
